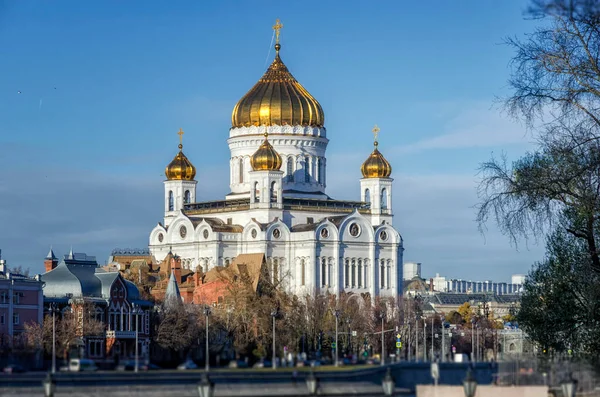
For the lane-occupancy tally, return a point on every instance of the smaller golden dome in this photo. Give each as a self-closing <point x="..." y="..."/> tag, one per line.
<point x="376" y="166"/>
<point x="266" y="157"/>
<point x="180" y="168"/>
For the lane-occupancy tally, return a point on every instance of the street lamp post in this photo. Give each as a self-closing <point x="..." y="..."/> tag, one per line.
<point x="274" y="314"/>
<point x="53" y="309"/>
<point x="432" y="328"/>
<point x="382" y="340"/>
<point x="337" y="316"/>
<point x="137" y="362"/>
<point x="206" y="354"/>
<point x="472" y="340"/>
<point x="416" y="339"/>
<point x="477" y="338"/>
<point x="425" y="340"/>
<point x="443" y="351"/>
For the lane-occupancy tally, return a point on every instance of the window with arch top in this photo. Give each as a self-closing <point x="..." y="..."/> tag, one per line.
<point x="306" y="170"/>
<point x="273" y="192"/>
<point x="256" y="193"/>
<point x="367" y="196"/>
<point x="384" y="200"/>
<point x="186" y="197"/>
<point x="171" y="201"/>
<point x="290" y="169"/>
<point x="241" y="171"/>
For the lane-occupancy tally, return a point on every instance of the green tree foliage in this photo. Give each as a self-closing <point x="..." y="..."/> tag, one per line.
<point x="466" y="312"/>
<point x="556" y="187"/>
<point x="560" y="306"/>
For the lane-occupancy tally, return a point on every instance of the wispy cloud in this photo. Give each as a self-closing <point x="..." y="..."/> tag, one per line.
<point x="474" y="125"/>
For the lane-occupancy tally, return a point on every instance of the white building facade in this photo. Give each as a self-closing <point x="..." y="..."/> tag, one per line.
<point x="278" y="203"/>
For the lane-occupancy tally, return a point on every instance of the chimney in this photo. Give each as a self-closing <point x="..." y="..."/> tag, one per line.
<point x="431" y="285"/>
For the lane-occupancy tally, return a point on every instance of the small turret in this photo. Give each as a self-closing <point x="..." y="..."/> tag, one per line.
<point x="51" y="261"/>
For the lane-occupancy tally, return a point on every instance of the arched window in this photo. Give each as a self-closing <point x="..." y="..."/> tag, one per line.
<point x="367" y="196"/>
<point x="256" y="193"/>
<point x="347" y="274"/>
<point x="360" y="269"/>
<point x="382" y="273"/>
<point x="306" y="170"/>
<point x="303" y="272"/>
<point x="171" y="201"/>
<point x="241" y="169"/>
<point x="186" y="197"/>
<point x="366" y="270"/>
<point x="273" y="192"/>
<point x="323" y="272"/>
<point x="290" y="169"/>
<point x="322" y="171"/>
<point x="384" y="203"/>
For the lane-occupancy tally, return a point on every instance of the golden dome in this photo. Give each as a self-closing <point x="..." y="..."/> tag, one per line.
<point x="265" y="158"/>
<point x="277" y="99"/>
<point x="180" y="168"/>
<point x="376" y="166"/>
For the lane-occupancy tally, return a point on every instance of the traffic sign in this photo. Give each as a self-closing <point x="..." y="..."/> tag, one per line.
<point x="398" y="345"/>
<point x="366" y="354"/>
<point x="333" y="345"/>
<point x="398" y="336"/>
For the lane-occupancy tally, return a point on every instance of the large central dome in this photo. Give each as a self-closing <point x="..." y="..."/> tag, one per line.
<point x="277" y="99"/>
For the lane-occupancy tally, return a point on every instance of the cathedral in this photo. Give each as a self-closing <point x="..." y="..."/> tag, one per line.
<point x="278" y="206"/>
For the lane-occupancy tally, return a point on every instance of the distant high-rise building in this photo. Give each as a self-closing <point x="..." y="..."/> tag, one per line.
<point x="411" y="270"/>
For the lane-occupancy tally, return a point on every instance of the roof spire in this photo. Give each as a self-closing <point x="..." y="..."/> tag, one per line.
<point x="172" y="295"/>
<point x="277" y="27"/>
<point x="51" y="254"/>
<point x="71" y="256"/>
<point x="180" y="133"/>
<point x="375" y="131"/>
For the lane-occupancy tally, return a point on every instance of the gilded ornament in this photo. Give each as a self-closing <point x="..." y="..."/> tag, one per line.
<point x="376" y="166"/>
<point x="180" y="168"/>
<point x="277" y="99"/>
<point x="266" y="157"/>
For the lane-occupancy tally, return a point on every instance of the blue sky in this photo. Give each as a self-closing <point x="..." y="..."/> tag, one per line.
<point x="105" y="86"/>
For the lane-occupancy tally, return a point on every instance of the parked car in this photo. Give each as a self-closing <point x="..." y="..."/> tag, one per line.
<point x="238" y="364"/>
<point x="188" y="364"/>
<point x="130" y="366"/>
<point x="82" y="364"/>
<point x="14" y="369"/>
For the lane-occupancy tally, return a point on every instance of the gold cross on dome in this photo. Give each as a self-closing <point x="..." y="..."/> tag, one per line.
<point x="277" y="27"/>
<point x="376" y="132"/>
<point x="180" y="133"/>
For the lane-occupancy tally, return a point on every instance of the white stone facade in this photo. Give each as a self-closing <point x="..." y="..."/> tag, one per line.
<point x="302" y="151"/>
<point x="314" y="244"/>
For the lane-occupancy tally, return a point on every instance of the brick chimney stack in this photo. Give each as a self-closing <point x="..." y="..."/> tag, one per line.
<point x="431" y="285"/>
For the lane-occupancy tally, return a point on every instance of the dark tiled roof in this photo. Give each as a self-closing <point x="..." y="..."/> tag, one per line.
<point x="130" y="252"/>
